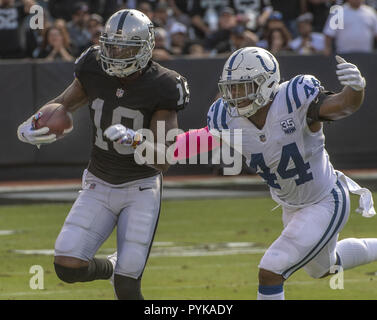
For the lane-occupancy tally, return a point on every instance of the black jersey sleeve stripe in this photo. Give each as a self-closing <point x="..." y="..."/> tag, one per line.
<point x="121" y="20"/>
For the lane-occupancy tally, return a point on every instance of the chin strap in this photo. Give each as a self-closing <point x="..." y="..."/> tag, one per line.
<point x="254" y="110"/>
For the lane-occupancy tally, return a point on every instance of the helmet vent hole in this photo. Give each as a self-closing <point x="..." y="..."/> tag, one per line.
<point x="271" y="84"/>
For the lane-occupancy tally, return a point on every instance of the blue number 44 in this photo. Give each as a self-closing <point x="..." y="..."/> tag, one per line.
<point x="289" y="151"/>
<point x="310" y="90"/>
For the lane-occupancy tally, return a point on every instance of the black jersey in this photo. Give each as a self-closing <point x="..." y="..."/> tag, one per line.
<point x="132" y="104"/>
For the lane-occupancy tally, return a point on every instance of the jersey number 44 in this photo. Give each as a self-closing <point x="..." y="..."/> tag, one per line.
<point x="289" y="151"/>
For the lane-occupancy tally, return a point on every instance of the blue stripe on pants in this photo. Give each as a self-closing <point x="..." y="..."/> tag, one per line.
<point x="324" y="240"/>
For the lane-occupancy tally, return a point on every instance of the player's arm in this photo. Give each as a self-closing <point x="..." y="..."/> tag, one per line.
<point x="191" y="143"/>
<point x="340" y="105"/>
<point x="72" y="98"/>
<point x="128" y="137"/>
<point x="173" y="96"/>
<point x="169" y="118"/>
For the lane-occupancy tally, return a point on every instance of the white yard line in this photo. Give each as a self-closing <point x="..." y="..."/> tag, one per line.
<point x="153" y="288"/>
<point x="171" y="249"/>
<point x="7" y="232"/>
<point x="43" y="292"/>
<point x="200" y="266"/>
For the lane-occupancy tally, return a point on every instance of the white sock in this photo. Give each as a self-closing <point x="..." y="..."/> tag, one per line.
<point x="270" y="292"/>
<point x="355" y="252"/>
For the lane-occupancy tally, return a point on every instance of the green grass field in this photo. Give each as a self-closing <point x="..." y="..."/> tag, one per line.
<point x="190" y="225"/>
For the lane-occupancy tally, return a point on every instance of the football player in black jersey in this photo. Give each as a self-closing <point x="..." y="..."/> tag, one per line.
<point x="125" y="91"/>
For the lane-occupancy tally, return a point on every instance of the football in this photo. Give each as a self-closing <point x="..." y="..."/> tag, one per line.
<point x="56" y="118"/>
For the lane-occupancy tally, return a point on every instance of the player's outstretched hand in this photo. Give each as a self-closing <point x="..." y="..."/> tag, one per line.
<point x="349" y="75"/>
<point x="27" y="133"/>
<point x="122" y="135"/>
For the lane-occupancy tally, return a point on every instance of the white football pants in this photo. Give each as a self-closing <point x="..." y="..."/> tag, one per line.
<point x="309" y="237"/>
<point x="133" y="207"/>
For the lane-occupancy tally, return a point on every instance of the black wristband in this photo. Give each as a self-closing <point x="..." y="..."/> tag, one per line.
<point x="313" y="110"/>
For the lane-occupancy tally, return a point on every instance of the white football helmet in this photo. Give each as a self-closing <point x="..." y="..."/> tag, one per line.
<point x="250" y="79"/>
<point x="126" y="43"/>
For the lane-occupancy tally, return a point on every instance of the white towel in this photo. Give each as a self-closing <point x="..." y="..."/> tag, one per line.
<point x="365" y="208"/>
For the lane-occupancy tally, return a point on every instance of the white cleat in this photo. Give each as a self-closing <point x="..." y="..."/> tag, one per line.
<point x="113" y="259"/>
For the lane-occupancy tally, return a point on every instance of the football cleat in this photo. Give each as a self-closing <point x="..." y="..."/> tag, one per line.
<point x="113" y="259"/>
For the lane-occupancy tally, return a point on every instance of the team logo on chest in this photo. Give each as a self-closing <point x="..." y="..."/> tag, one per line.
<point x="262" y="138"/>
<point x="288" y="126"/>
<point x="119" y="93"/>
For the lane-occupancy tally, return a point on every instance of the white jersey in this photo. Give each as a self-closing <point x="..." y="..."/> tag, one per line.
<point x="285" y="153"/>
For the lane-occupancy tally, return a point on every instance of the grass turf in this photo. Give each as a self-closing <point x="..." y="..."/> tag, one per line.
<point x="185" y="223"/>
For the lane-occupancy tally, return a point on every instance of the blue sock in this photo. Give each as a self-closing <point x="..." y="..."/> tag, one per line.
<point x="271" y="292"/>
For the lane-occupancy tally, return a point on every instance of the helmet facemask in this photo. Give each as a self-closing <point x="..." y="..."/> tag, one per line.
<point x="243" y="97"/>
<point x="121" y="58"/>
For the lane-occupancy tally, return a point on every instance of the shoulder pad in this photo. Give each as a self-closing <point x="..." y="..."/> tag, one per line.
<point x="87" y="61"/>
<point x="217" y="116"/>
<point x="301" y="91"/>
<point x="174" y="90"/>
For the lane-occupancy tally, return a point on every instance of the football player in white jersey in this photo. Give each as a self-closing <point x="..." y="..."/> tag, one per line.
<point x="283" y="140"/>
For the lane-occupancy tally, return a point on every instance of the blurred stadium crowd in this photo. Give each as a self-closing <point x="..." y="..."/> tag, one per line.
<point x="191" y="28"/>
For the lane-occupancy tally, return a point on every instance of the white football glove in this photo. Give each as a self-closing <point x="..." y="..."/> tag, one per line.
<point x="124" y="136"/>
<point x="27" y="133"/>
<point x="349" y="75"/>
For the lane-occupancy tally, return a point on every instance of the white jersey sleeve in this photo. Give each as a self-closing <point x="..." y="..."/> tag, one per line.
<point x="217" y="117"/>
<point x="300" y="92"/>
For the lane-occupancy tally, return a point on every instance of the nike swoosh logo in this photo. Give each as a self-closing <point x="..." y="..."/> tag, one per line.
<point x="142" y="189"/>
